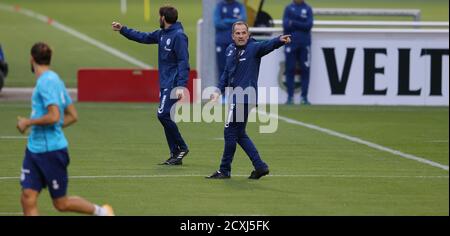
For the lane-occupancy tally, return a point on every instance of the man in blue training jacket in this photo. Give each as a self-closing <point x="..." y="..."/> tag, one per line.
<point x="227" y="12"/>
<point x="298" y="22"/>
<point x="173" y="60"/>
<point x="241" y="74"/>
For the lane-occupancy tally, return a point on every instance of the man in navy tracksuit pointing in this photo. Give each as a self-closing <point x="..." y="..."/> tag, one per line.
<point x="173" y="60"/>
<point x="241" y="74"/>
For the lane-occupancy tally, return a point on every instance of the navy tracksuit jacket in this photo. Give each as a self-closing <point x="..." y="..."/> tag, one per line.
<point x="298" y="22"/>
<point x="225" y="15"/>
<point x="173" y="63"/>
<point x="241" y="72"/>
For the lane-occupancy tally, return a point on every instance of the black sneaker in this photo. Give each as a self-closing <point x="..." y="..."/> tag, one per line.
<point x="256" y="174"/>
<point x="167" y="161"/>
<point x="170" y="161"/>
<point x="181" y="154"/>
<point x="218" y="175"/>
<point x="174" y="162"/>
<point x="176" y="159"/>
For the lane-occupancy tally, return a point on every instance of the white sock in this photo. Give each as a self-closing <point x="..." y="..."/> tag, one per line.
<point x="99" y="211"/>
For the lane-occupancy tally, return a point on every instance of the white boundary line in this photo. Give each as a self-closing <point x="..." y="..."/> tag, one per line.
<point x="437" y="141"/>
<point x="240" y="175"/>
<point x="349" y="138"/>
<point x="13" y="137"/>
<point x="76" y="34"/>
<point x="358" y="140"/>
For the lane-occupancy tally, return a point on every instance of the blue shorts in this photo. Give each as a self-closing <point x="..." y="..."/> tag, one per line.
<point x="40" y="170"/>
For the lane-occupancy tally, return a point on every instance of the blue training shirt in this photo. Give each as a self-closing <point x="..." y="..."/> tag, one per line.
<point x="49" y="90"/>
<point x="173" y="53"/>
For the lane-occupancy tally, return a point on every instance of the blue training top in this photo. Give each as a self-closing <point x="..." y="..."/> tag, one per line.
<point x="49" y="90"/>
<point x="298" y="21"/>
<point x="173" y="53"/>
<point x="242" y="66"/>
<point x="225" y="15"/>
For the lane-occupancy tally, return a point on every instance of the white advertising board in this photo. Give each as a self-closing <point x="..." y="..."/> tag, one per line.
<point x="370" y="67"/>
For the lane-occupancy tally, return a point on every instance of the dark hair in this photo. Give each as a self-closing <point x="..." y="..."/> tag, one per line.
<point x="41" y="53"/>
<point x="239" y="23"/>
<point x="170" y="13"/>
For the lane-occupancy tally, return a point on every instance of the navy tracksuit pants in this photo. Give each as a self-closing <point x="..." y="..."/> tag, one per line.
<point x="173" y="136"/>
<point x="301" y="54"/>
<point x="234" y="134"/>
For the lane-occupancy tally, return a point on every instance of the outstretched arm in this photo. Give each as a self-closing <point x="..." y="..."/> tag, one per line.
<point x="267" y="47"/>
<point x="135" y="35"/>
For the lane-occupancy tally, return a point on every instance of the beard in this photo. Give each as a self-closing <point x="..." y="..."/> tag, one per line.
<point x="161" y="24"/>
<point x="32" y="68"/>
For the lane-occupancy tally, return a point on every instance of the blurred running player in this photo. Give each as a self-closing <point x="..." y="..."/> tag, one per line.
<point x="46" y="156"/>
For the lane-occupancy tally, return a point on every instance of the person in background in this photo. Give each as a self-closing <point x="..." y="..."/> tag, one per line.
<point x="227" y="12"/>
<point x="298" y="22"/>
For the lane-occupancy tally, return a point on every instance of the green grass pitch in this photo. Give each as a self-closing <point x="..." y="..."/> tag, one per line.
<point x="312" y="173"/>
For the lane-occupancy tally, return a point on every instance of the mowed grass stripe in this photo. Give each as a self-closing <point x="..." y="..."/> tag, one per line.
<point x="243" y="175"/>
<point x="77" y="34"/>
<point x="358" y="140"/>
